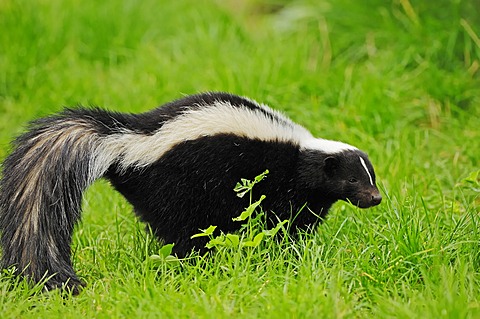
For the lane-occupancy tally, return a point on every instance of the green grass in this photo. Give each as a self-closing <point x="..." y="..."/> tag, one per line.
<point x="399" y="79"/>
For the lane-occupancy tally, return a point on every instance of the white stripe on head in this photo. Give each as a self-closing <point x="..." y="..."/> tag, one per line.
<point x="366" y="169"/>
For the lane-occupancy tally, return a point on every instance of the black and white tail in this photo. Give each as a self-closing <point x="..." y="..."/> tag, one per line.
<point x="42" y="185"/>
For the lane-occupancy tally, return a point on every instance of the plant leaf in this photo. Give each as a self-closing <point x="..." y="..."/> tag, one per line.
<point x="260" y="177"/>
<point x="232" y="240"/>
<point x="249" y="211"/>
<point x="172" y="259"/>
<point x="205" y="232"/>
<point x="166" y="250"/>
<point x="272" y="232"/>
<point x="255" y="242"/>
<point x="217" y="241"/>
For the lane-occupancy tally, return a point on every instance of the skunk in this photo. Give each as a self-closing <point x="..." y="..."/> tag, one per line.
<point x="177" y="165"/>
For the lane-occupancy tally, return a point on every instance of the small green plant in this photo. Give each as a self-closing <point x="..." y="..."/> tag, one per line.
<point x="245" y="186"/>
<point x="253" y="231"/>
<point x="164" y="253"/>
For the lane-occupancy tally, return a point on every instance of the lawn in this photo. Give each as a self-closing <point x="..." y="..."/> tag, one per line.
<point x="399" y="79"/>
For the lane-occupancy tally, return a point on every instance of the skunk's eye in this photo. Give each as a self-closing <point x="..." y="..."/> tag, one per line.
<point x="352" y="180"/>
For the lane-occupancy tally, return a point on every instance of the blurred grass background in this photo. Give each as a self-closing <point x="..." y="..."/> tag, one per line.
<point x="400" y="79"/>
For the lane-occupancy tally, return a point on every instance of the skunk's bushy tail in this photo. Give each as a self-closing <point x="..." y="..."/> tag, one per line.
<point x="41" y="190"/>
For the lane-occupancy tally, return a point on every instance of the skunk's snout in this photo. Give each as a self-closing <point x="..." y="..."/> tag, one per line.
<point x="376" y="199"/>
<point x="367" y="198"/>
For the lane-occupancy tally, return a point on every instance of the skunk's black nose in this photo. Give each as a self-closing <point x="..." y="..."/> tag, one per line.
<point x="376" y="199"/>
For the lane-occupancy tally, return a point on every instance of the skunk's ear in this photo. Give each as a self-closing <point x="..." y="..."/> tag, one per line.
<point x="331" y="163"/>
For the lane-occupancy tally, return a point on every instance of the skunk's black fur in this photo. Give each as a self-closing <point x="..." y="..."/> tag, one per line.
<point x="177" y="165"/>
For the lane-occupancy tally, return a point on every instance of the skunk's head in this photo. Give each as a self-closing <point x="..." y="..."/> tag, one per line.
<point x="344" y="173"/>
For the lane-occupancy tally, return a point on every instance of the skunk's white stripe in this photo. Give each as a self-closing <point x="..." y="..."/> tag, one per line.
<point x="139" y="150"/>
<point x="326" y="146"/>
<point x="366" y="169"/>
<point x="221" y="118"/>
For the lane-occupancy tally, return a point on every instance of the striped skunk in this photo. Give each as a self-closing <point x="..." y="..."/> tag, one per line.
<point x="177" y="165"/>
